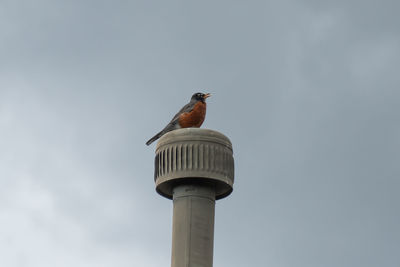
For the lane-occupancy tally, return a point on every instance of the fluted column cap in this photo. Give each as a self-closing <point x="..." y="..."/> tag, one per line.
<point x="194" y="155"/>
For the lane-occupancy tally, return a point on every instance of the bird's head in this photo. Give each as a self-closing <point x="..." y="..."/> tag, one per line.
<point x="200" y="96"/>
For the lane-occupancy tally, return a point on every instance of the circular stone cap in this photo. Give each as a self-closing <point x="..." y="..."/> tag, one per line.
<point x="194" y="155"/>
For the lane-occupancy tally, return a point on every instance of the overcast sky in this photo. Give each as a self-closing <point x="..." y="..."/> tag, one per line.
<point x="307" y="91"/>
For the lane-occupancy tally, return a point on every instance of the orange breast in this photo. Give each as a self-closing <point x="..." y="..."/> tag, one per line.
<point x="194" y="118"/>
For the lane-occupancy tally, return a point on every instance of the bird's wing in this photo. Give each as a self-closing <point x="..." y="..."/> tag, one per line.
<point x="186" y="108"/>
<point x="172" y="124"/>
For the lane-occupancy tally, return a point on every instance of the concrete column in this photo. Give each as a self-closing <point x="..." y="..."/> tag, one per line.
<point x="194" y="167"/>
<point x="193" y="226"/>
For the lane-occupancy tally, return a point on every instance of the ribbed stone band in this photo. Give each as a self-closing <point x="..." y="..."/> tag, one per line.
<point x="194" y="155"/>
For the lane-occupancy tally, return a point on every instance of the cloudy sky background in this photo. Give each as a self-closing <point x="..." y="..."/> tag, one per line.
<point x="307" y="91"/>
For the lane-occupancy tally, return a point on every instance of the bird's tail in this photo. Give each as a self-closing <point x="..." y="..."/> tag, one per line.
<point x="154" y="138"/>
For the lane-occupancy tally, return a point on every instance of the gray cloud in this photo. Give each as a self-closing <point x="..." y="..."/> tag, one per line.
<point x="307" y="91"/>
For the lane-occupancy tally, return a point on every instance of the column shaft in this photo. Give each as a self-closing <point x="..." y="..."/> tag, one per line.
<point x="193" y="226"/>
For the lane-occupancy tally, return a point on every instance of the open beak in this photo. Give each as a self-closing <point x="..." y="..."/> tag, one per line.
<point x="207" y="95"/>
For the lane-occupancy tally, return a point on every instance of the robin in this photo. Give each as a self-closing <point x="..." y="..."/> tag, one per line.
<point x="191" y="115"/>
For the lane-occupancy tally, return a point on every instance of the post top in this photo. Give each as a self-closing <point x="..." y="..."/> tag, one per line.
<point x="194" y="134"/>
<point x="194" y="156"/>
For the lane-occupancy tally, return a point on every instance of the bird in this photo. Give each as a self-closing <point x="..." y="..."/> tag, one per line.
<point x="191" y="115"/>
